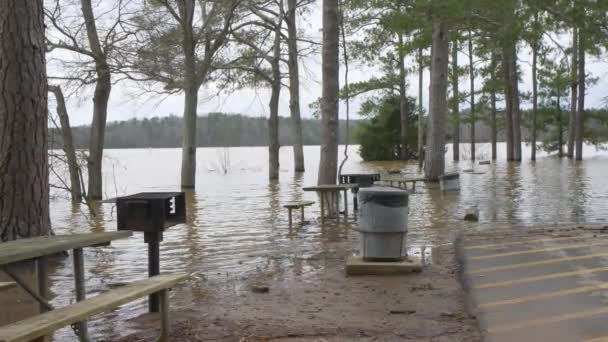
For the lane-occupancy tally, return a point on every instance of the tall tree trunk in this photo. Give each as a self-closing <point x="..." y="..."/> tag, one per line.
<point x="455" y="103"/>
<point x="294" y="86"/>
<point x="420" y="109"/>
<point x="24" y="182"/>
<point x="402" y="99"/>
<point x="534" y="94"/>
<point x="560" y="126"/>
<point x="192" y="86"/>
<point x="101" y="96"/>
<point x="188" y="171"/>
<point x="508" y="104"/>
<point x="435" y="157"/>
<point x="24" y="177"/>
<point x="494" y="130"/>
<point x="573" y="93"/>
<point x="68" y="144"/>
<point x="580" y="113"/>
<point x="328" y="165"/>
<point x="516" y="112"/>
<point x="472" y="79"/>
<point x="273" y="120"/>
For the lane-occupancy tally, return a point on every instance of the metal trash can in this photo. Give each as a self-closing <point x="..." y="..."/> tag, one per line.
<point x="383" y="223"/>
<point x="449" y="182"/>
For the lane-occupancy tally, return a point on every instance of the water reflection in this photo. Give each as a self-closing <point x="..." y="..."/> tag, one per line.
<point x="236" y="227"/>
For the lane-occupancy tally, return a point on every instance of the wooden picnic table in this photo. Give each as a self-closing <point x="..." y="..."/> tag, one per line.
<point x="329" y="194"/>
<point x="40" y="248"/>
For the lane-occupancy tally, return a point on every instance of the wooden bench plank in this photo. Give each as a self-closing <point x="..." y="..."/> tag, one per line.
<point x="48" y="322"/>
<point x="26" y="249"/>
<point x="296" y="205"/>
<point x="5" y="285"/>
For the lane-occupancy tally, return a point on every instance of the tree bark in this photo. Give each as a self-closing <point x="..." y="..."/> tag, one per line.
<point x="516" y="112"/>
<point x="455" y="103"/>
<point x="192" y="85"/>
<point x="24" y="181"/>
<point x="273" y="120"/>
<point x="580" y="113"/>
<point x="68" y="145"/>
<point x="420" y="109"/>
<point x="493" y="105"/>
<point x="402" y="99"/>
<point x="508" y="105"/>
<point x="101" y="96"/>
<point x="294" y="86"/>
<point x="472" y="88"/>
<point x="560" y="126"/>
<point x="534" y="95"/>
<point x="435" y="157"/>
<point x="573" y="93"/>
<point x="328" y="165"/>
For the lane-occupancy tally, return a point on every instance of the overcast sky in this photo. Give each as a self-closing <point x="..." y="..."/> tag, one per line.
<point x="125" y="103"/>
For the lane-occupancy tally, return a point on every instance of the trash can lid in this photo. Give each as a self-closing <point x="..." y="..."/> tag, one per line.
<point x="385" y="196"/>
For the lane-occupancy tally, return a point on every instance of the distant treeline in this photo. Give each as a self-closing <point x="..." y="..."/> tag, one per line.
<point x="213" y="130"/>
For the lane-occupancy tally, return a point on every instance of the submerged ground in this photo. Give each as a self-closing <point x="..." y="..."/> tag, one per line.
<point x="237" y="236"/>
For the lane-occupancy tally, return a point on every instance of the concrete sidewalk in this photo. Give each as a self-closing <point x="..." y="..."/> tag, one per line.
<point x="545" y="284"/>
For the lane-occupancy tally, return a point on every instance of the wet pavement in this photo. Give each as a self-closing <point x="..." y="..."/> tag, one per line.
<point x="539" y="284"/>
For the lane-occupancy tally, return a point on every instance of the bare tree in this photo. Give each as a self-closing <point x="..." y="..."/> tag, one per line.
<point x="472" y="95"/>
<point x="580" y="112"/>
<point x="93" y="42"/>
<point x="294" y="85"/>
<point x="435" y="156"/>
<point x="24" y="202"/>
<point x="455" y="103"/>
<point x="68" y="144"/>
<point x="420" y="108"/>
<point x="573" y="93"/>
<point x="328" y="164"/>
<point x="179" y="42"/>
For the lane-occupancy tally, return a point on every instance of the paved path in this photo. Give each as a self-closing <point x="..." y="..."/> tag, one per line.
<point x="538" y="284"/>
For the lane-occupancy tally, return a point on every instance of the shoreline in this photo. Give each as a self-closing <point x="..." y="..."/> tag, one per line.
<point x="325" y="305"/>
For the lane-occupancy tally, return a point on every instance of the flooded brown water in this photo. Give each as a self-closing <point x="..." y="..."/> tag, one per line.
<point x="237" y="225"/>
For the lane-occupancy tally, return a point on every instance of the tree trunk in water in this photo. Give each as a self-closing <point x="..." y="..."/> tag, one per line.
<point x="420" y="109"/>
<point x="508" y="103"/>
<point x="580" y="113"/>
<point x="68" y="144"/>
<point x="455" y="103"/>
<point x="402" y="99"/>
<point x="534" y="96"/>
<point x="328" y="165"/>
<point x="24" y="181"/>
<point x="493" y="105"/>
<point x="435" y="156"/>
<point x="101" y="97"/>
<point x="294" y="87"/>
<point x="573" y="93"/>
<point x="515" y="102"/>
<point x="273" y="120"/>
<point x="188" y="175"/>
<point x="560" y="126"/>
<point x="192" y="85"/>
<point x="472" y="77"/>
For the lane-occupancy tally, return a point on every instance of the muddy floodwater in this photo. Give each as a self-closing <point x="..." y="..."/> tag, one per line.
<point x="237" y="228"/>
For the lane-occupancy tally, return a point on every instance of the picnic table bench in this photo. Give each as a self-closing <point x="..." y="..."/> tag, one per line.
<point x="51" y="319"/>
<point x="297" y="205"/>
<point x="402" y="182"/>
<point x="329" y="196"/>
<point x="46" y="323"/>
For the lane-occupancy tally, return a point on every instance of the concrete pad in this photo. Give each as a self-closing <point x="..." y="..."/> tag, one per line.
<point x="357" y="266"/>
